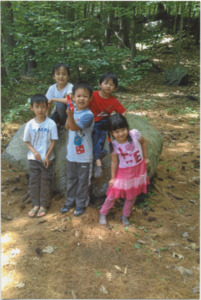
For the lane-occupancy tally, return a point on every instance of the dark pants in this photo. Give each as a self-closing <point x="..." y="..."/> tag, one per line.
<point x="59" y="116"/>
<point x="77" y="184"/>
<point x="99" y="136"/>
<point x="40" y="183"/>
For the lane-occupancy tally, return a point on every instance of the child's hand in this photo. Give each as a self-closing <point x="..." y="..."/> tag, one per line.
<point x="146" y="161"/>
<point x="111" y="182"/>
<point x="69" y="112"/>
<point x="37" y="156"/>
<point x="46" y="162"/>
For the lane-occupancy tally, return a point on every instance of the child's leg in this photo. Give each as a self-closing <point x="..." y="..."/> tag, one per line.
<point x="128" y="204"/>
<point x="107" y="205"/>
<point x="82" y="184"/>
<point x="61" y="111"/>
<point x="99" y="136"/>
<point x="34" y="186"/>
<point x="72" y="181"/>
<point x="46" y="184"/>
<point x="34" y="181"/>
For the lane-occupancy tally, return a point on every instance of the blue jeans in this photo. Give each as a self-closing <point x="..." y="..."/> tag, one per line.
<point x="99" y="136"/>
<point x="59" y="116"/>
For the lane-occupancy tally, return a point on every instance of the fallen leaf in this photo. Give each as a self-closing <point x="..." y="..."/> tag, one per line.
<point x="118" y="268"/>
<point x="177" y="255"/>
<point x="103" y="289"/>
<point x="48" y="249"/>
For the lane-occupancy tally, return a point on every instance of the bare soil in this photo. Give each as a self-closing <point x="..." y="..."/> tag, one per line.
<point x="157" y="256"/>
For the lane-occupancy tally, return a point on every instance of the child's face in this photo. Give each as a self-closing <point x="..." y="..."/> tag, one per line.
<point x="107" y="86"/>
<point x="61" y="77"/>
<point x="82" y="98"/>
<point x="40" y="110"/>
<point x="120" y="135"/>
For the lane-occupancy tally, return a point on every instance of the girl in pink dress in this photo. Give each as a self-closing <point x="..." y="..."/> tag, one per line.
<point x="128" y="167"/>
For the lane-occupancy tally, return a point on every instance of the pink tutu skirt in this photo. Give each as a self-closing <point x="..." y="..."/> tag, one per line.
<point x="129" y="182"/>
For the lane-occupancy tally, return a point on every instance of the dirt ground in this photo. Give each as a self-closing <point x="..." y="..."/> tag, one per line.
<point x="157" y="256"/>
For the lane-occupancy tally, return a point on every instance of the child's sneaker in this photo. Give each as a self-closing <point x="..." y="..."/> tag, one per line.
<point x="102" y="220"/>
<point x="125" y="220"/>
<point x="64" y="209"/>
<point x="78" y="211"/>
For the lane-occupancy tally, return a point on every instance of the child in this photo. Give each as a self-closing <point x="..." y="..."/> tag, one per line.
<point x="102" y="105"/>
<point x="128" y="167"/>
<point x="57" y="93"/>
<point x="80" y="149"/>
<point x="40" y="136"/>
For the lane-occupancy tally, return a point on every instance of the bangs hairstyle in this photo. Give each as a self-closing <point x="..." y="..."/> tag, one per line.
<point x="114" y="122"/>
<point x="57" y="66"/>
<point x="84" y="86"/>
<point x="38" y="98"/>
<point x="107" y="76"/>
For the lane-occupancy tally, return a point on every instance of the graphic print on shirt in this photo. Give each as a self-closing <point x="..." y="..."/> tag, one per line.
<point x="128" y="156"/>
<point x="78" y="142"/>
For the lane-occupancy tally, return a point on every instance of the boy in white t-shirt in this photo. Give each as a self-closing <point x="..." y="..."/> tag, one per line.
<point x="40" y="137"/>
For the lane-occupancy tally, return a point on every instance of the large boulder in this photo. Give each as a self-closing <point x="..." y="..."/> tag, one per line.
<point x="175" y="76"/>
<point x="16" y="155"/>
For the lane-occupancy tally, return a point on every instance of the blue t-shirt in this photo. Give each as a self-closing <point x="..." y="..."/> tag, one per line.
<point x="80" y="146"/>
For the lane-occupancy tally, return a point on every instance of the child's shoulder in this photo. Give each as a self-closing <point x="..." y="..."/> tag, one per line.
<point x="135" y="133"/>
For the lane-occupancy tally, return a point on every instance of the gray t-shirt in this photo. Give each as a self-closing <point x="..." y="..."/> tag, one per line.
<point x="39" y="135"/>
<point x="80" y="146"/>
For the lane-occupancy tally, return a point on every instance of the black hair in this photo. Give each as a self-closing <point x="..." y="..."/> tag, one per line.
<point x="38" y="98"/>
<point x="114" y="122"/>
<point x="57" y="66"/>
<point x="109" y="75"/>
<point x="82" y="85"/>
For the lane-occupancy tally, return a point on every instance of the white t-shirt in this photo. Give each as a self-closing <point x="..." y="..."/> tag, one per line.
<point x="53" y="92"/>
<point x="40" y="135"/>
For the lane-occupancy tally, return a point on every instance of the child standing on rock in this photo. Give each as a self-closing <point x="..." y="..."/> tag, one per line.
<point x="102" y="105"/>
<point x="57" y="93"/>
<point x="128" y="167"/>
<point x="40" y="137"/>
<point x="80" y="150"/>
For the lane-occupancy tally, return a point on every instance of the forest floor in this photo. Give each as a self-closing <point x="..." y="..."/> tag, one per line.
<point x="157" y="256"/>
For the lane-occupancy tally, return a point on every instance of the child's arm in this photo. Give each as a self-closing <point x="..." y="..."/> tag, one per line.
<point x="114" y="167"/>
<point x="46" y="160"/>
<point x="36" y="154"/>
<point x="144" y="149"/>
<point x="70" y="123"/>
<point x="60" y="100"/>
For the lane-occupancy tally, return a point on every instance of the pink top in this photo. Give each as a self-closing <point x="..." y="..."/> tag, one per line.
<point x="130" y="153"/>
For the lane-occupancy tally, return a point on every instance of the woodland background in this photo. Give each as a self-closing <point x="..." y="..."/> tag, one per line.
<point x="91" y="37"/>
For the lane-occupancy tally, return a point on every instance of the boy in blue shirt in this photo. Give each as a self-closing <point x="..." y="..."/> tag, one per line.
<point x="80" y="149"/>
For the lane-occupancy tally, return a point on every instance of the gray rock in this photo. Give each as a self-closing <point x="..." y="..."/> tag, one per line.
<point x="16" y="154"/>
<point x="176" y="76"/>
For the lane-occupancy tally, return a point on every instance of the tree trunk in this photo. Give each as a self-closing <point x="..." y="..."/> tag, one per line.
<point x="7" y="34"/>
<point x="125" y="27"/>
<point x="133" y="38"/>
<point x="180" y="33"/>
<point x="108" y="30"/>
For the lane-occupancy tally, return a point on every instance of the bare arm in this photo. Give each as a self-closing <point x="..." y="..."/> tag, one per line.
<point x="70" y="123"/>
<point x="46" y="160"/>
<point x="36" y="154"/>
<point x="58" y="100"/>
<point x="144" y="149"/>
<point x="124" y="113"/>
<point x="114" y="167"/>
